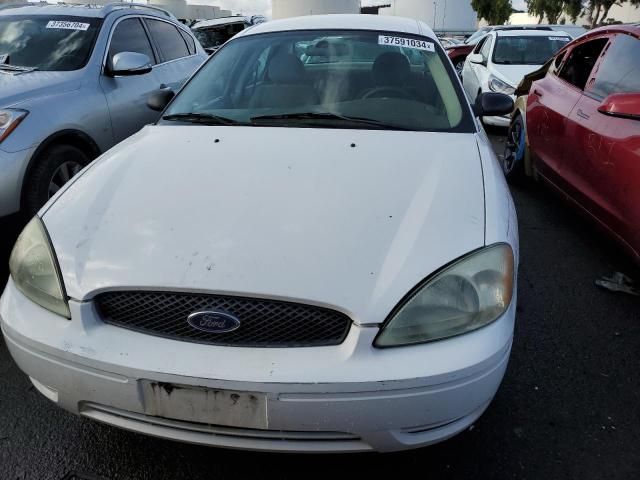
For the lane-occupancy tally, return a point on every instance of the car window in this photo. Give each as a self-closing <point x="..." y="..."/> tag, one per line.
<point x="578" y="66"/>
<point x="619" y="71"/>
<point x="130" y="36"/>
<point x="408" y="85"/>
<point x="480" y="44"/>
<point x="558" y="60"/>
<point x="50" y="43"/>
<point x="486" y="48"/>
<point x="216" y="36"/>
<point x="191" y="44"/>
<point x="527" y="50"/>
<point x="477" y="36"/>
<point x="168" y="39"/>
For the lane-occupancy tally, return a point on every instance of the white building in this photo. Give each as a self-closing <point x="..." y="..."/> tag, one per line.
<point x="441" y="15"/>
<point x="183" y="10"/>
<point x="296" y="8"/>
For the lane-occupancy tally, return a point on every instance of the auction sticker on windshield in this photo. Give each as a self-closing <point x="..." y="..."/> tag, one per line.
<point x="59" y="24"/>
<point x="559" y="39"/>
<point x="406" y="42"/>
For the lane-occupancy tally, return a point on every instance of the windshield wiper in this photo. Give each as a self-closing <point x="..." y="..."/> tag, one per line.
<point x="328" y="116"/>
<point x="203" y="118"/>
<point x="16" y="68"/>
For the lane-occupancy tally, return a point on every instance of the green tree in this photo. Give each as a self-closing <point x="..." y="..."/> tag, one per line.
<point x="598" y="10"/>
<point x="496" y="12"/>
<point x="553" y="9"/>
<point x="573" y="9"/>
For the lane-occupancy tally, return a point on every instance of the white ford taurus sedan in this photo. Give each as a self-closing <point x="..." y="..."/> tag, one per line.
<point x="314" y="250"/>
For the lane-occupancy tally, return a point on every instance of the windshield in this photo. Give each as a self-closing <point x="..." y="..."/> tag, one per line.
<point x="211" y="37"/>
<point x="527" y="50"/>
<point x="41" y="42"/>
<point x="327" y="79"/>
<point x="473" y="39"/>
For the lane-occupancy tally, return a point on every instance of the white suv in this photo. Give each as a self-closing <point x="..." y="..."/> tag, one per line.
<point x="502" y="59"/>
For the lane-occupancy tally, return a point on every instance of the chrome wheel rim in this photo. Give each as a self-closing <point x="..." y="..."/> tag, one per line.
<point x="459" y="68"/>
<point x="512" y="146"/>
<point x="62" y="175"/>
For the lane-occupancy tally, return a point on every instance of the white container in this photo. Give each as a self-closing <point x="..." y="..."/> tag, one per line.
<point x="296" y="8"/>
<point x="440" y="15"/>
<point x="177" y="7"/>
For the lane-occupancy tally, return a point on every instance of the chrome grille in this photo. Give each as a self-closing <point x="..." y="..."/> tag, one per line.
<point x="263" y="323"/>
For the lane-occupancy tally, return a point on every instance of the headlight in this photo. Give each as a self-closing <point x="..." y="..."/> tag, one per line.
<point x="35" y="271"/>
<point x="9" y="119"/>
<point x="498" y="86"/>
<point x="466" y="296"/>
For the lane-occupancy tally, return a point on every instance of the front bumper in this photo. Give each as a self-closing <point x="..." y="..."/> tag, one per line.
<point x="12" y="169"/>
<point x="346" y="398"/>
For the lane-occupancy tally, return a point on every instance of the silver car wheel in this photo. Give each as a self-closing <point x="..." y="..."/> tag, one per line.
<point x="62" y="175"/>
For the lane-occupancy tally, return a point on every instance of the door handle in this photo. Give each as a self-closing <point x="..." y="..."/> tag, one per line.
<point x="583" y="115"/>
<point x="537" y="92"/>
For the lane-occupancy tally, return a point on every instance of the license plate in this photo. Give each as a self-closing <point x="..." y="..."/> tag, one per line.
<point x="204" y="405"/>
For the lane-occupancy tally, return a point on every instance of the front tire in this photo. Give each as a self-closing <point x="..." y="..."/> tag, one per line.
<point x="459" y="65"/>
<point x="514" y="151"/>
<point x="53" y="168"/>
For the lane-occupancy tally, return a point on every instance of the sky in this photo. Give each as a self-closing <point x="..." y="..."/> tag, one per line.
<point x="263" y="7"/>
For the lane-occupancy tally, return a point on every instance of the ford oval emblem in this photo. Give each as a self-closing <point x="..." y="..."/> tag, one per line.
<point x="214" y="322"/>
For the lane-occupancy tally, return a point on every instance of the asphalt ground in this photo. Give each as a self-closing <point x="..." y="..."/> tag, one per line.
<point x="569" y="406"/>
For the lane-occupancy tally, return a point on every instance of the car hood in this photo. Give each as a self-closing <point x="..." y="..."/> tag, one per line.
<point x="15" y="88"/>
<point x="513" y="74"/>
<point x="348" y="219"/>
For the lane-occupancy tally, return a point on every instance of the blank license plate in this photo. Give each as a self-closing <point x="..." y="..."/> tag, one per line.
<point x="203" y="405"/>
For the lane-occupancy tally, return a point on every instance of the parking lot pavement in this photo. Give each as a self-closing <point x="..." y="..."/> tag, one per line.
<point x="568" y="407"/>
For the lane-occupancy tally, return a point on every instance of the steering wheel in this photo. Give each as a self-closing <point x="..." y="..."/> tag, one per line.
<point x="393" y="92"/>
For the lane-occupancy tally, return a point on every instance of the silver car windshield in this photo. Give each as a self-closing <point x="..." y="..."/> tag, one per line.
<point x="51" y="43"/>
<point x="330" y="79"/>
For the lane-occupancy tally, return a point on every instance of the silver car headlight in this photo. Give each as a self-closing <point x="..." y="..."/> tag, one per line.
<point x="467" y="295"/>
<point x="35" y="271"/>
<point x="10" y="118"/>
<point x="498" y="86"/>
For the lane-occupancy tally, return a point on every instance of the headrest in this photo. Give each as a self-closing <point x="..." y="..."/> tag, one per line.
<point x="391" y="68"/>
<point x="286" y="68"/>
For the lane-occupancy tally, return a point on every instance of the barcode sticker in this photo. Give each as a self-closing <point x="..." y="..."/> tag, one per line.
<point x="407" y="42"/>
<point x="61" y="25"/>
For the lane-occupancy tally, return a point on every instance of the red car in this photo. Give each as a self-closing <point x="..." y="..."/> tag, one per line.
<point x="583" y="127"/>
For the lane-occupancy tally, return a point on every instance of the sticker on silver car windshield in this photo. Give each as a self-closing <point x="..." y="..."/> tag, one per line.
<point x="62" y="25"/>
<point x="406" y="42"/>
<point x="559" y="39"/>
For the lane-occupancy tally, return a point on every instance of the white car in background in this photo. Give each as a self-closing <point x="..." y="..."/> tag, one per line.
<point x="502" y="59"/>
<point x="311" y="257"/>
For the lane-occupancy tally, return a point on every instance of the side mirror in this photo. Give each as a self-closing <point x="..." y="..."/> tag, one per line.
<point x="476" y="58"/>
<point x="493" y="105"/>
<point x="130" y="63"/>
<point x="622" y="105"/>
<point x="159" y="99"/>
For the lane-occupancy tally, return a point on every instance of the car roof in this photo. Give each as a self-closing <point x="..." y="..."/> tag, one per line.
<point x="345" y="22"/>
<point x="530" y="33"/>
<point x="632" y="29"/>
<point x="81" y="10"/>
